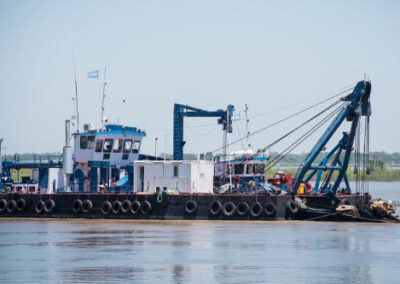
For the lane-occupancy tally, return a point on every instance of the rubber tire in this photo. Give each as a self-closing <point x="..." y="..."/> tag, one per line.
<point x="345" y="201"/>
<point x="270" y="209"/>
<point x="126" y="206"/>
<point x="135" y="207"/>
<point x="39" y="206"/>
<point x="243" y="205"/>
<point x="116" y="207"/>
<point x="106" y="207"/>
<point x="215" y="211"/>
<point x="87" y="206"/>
<point x="11" y="206"/>
<point x="228" y="213"/>
<point x="145" y="209"/>
<point x="77" y="205"/>
<point x="21" y="203"/>
<point x="256" y="212"/>
<point x="3" y="205"/>
<point x="190" y="206"/>
<point x="292" y="206"/>
<point x="49" y="206"/>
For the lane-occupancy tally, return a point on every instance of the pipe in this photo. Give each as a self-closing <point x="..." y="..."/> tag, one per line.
<point x="67" y="133"/>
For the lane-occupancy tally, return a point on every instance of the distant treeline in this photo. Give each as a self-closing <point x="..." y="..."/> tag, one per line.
<point x="390" y="159"/>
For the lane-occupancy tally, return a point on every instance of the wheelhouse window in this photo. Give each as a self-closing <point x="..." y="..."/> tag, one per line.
<point x="259" y="168"/>
<point x="108" y="144"/>
<point x="84" y="142"/>
<point x="118" y="143"/>
<point x="239" y="169"/>
<point x="127" y="145"/>
<point x="90" y="141"/>
<point x="99" y="145"/>
<point x="135" y="146"/>
<point x="250" y="169"/>
<point x="176" y="171"/>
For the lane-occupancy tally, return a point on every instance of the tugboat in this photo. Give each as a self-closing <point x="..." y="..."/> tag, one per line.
<point x="102" y="174"/>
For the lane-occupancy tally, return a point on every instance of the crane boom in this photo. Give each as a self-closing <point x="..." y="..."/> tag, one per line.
<point x="358" y="105"/>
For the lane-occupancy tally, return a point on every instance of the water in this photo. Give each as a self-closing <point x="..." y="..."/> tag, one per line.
<point x="70" y="251"/>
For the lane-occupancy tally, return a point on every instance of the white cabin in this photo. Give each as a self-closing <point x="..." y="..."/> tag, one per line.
<point x="186" y="176"/>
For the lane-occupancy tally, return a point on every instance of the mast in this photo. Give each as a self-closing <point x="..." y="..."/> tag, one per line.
<point x="76" y="98"/>
<point x="102" y="100"/>
<point x="246" y="109"/>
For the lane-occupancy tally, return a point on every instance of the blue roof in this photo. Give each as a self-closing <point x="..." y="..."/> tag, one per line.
<point x="115" y="129"/>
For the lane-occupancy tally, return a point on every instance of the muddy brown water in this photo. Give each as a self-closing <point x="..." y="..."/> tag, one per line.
<point x="98" y="251"/>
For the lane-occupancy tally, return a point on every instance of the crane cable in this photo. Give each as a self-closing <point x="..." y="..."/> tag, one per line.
<point x="302" y="138"/>
<point x="283" y="119"/>
<point x="289" y="133"/>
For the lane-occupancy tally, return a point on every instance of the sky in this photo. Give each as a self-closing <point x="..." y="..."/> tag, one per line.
<point x="276" y="56"/>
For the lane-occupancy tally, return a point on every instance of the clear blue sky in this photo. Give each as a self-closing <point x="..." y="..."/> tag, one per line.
<point x="268" y="54"/>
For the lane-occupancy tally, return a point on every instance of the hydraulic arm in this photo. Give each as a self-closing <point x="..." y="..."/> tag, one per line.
<point x="181" y="111"/>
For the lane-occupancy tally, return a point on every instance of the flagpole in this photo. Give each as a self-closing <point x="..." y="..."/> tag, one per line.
<point x="76" y="96"/>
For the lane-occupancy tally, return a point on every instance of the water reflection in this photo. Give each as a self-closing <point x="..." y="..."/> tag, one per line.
<point x="199" y="252"/>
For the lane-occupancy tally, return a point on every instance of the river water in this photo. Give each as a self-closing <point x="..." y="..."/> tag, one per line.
<point x="98" y="251"/>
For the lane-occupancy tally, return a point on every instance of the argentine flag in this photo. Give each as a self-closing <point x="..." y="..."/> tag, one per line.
<point x="93" y="74"/>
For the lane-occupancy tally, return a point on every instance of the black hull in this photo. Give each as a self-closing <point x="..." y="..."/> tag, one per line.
<point x="172" y="207"/>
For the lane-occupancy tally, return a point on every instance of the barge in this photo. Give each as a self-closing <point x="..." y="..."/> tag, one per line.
<point x="102" y="174"/>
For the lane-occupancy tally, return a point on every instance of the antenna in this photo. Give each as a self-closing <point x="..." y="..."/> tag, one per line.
<point x="246" y="109"/>
<point x="76" y="97"/>
<point x="102" y="100"/>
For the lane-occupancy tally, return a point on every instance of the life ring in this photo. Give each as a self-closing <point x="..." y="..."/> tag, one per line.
<point x="345" y="201"/>
<point x="291" y="205"/>
<point x="126" y="206"/>
<point x="215" y="207"/>
<point x="145" y="209"/>
<point x="11" y="206"/>
<point x="3" y="205"/>
<point x="87" y="206"/>
<point x="243" y="208"/>
<point x="49" y="205"/>
<point x="236" y="179"/>
<point x="229" y="209"/>
<point x="21" y="203"/>
<point x="135" y="207"/>
<point x="116" y="207"/>
<point x="106" y="207"/>
<point x="77" y="205"/>
<point x="256" y="209"/>
<point x="39" y="206"/>
<point x="270" y="209"/>
<point x="190" y="206"/>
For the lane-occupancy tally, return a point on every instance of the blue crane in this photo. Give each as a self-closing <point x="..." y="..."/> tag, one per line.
<point x="181" y="111"/>
<point x="358" y="105"/>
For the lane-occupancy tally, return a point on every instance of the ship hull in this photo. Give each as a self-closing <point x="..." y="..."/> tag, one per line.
<point x="176" y="207"/>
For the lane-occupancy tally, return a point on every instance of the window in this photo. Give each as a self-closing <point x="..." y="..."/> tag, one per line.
<point x="239" y="169"/>
<point x="127" y="145"/>
<point x="99" y="145"/>
<point x="135" y="146"/>
<point x="176" y="171"/>
<point x="90" y="142"/>
<point x="250" y="169"/>
<point x="83" y="142"/>
<point x="118" y="145"/>
<point x="260" y="168"/>
<point x="107" y="147"/>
